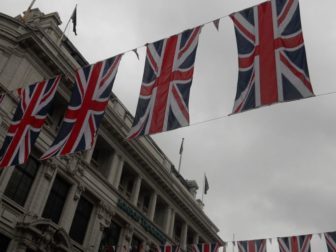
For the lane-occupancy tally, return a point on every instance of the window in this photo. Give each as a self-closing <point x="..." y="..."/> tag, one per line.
<point x="4" y="242"/>
<point x="81" y="220"/>
<point x="56" y="200"/>
<point x="21" y="181"/>
<point x="110" y="238"/>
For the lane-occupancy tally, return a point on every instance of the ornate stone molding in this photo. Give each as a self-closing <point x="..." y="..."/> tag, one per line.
<point x="49" y="168"/>
<point x="42" y="235"/>
<point x="105" y="213"/>
<point x="80" y="189"/>
<point x="73" y="165"/>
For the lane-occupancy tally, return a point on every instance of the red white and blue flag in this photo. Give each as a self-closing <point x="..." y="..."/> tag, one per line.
<point x="205" y="247"/>
<point x="88" y="101"/>
<point x="168" y="248"/>
<point x="252" y="246"/>
<point x="27" y="122"/>
<point x="272" y="57"/>
<point x="164" y="95"/>
<point x="330" y="238"/>
<point x="295" y="243"/>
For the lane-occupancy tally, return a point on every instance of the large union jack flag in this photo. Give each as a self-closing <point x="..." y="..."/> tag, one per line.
<point x="164" y="94"/>
<point x="27" y="122"/>
<point x="205" y="247"/>
<point x="88" y="101"/>
<point x="252" y="246"/>
<point x="295" y="243"/>
<point x="330" y="238"/>
<point x="168" y="248"/>
<point x="272" y="58"/>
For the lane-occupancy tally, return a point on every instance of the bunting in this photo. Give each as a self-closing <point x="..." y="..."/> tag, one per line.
<point x="164" y="94"/>
<point x="89" y="99"/>
<point x="168" y="248"/>
<point x="330" y="238"/>
<point x="252" y="246"/>
<point x="272" y="58"/>
<point x="295" y="243"/>
<point x="27" y="122"/>
<point x="205" y="247"/>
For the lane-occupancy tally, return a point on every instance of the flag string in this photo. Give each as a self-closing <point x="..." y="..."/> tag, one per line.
<point x="229" y="115"/>
<point x="138" y="47"/>
<point x="275" y="238"/>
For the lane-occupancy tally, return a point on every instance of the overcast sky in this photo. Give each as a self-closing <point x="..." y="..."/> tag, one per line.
<point x="272" y="170"/>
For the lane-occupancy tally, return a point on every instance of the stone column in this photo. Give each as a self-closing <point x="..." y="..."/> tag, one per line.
<point x="126" y="238"/>
<point x="114" y="167"/>
<point x="70" y="206"/>
<point x="120" y="168"/>
<point x="184" y="235"/>
<point x="152" y="206"/>
<point x="167" y="222"/>
<point x="172" y="224"/>
<point x="43" y="185"/>
<point x="102" y="221"/>
<point x="136" y="190"/>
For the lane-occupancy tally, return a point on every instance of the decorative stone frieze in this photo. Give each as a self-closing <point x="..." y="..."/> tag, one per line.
<point x="42" y="235"/>
<point x="79" y="190"/>
<point x="49" y="168"/>
<point x="73" y="165"/>
<point x="105" y="212"/>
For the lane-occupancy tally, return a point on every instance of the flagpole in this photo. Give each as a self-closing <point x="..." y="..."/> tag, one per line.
<point x="28" y="10"/>
<point x="233" y="243"/>
<point x="181" y="152"/>
<point x="66" y="27"/>
<point x="31" y="5"/>
<point x="203" y="187"/>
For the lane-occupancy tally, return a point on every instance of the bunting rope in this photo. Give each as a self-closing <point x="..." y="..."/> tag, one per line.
<point x="229" y="115"/>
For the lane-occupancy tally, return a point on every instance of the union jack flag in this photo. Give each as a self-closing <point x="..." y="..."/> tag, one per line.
<point x="331" y="241"/>
<point x="88" y="101"/>
<point x="205" y="247"/>
<point x="27" y="122"/>
<point x="164" y="94"/>
<point x="272" y="57"/>
<point x="252" y="246"/>
<point x="295" y="243"/>
<point x="168" y="248"/>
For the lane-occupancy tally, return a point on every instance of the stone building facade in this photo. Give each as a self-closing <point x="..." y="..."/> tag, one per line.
<point x="120" y="196"/>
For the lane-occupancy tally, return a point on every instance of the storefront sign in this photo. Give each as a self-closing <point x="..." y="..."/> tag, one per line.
<point x="140" y="218"/>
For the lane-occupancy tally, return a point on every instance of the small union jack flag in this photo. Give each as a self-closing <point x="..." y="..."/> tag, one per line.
<point x="252" y="246"/>
<point x="295" y="243"/>
<point x="164" y="94"/>
<point x="168" y="248"/>
<point x="27" y="122"/>
<point x="88" y="101"/>
<point x="272" y="57"/>
<point x="205" y="247"/>
<point x="330" y="238"/>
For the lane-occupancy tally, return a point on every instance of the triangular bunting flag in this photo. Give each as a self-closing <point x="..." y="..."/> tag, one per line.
<point x="216" y="23"/>
<point x="136" y="53"/>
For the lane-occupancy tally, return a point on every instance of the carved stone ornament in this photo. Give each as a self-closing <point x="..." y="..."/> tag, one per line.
<point x="105" y="213"/>
<point x="79" y="190"/>
<point x="42" y="235"/>
<point x="73" y="165"/>
<point x="49" y="168"/>
<point x="128" y="232"/>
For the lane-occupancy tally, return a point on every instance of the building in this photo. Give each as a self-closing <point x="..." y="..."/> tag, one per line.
<point x="119" y="196"/>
